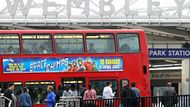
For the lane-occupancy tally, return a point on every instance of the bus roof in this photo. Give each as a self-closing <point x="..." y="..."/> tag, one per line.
<point x="73" y="31"/>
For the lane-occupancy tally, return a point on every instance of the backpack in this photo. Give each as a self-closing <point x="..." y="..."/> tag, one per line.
<point x="133" y="93"/>
<point x="135" y="97"/>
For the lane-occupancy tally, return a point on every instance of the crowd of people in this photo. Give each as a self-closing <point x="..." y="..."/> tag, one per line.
<point x="24" y="99"/>
<point x="32" y="50"/>
<point x="52" y="96"/>
<point x="9" y="50"/>
<point x="87" y="94"/>
<point x="35" y="50"/>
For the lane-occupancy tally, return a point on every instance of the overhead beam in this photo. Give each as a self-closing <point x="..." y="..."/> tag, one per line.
<point x="73" y="27"/>
<point x="169" y="30"/>
<point x="156" y="31"/>
<point x="17" y="27"/>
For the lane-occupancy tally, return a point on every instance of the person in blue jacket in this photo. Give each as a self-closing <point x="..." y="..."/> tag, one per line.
<point x="25" y="99"/>
<point x="50" y="99"/>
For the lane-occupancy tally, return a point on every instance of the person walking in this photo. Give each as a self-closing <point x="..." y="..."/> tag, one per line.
<point x="50" y="99"/>
<point x="126" y="95"/>
<point x="136" y="95"/>
<point x="73" y="89"/>
<point x="170" y="96"/>
<point x="107" y="91"/>
<point x="25" y="99"/>
<point x="67" y="92"/>
<point x="9" y="93"/>
<point x="59" y="92"/>
<point x="90" y="94"/>
<point x="83" y="88"/>
<point x="108" y="94"/>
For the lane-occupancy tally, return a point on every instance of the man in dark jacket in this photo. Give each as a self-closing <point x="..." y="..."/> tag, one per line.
<point x="170" y="98"/>
<point x="9" y="93"/>
<point x="59" y="92"/>
<point x="83" y="87"/>
<point x="126" y="95"/>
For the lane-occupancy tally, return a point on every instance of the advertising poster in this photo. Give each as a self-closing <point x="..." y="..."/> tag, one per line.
<point x="67" y="64"/>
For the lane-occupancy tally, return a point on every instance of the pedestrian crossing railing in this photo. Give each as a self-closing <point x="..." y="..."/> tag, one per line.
<point x="70" y="101"/>
<point x="153" y="101"/>
<point x="2" y="101"/>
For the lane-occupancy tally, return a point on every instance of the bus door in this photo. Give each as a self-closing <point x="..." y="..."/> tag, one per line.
<point x="73" y="83"/>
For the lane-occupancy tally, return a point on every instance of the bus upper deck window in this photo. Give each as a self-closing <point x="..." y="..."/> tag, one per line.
<point x="100" y="43"/>
<point x="37" y="43"/>
<point x="128" y="43"/>
<point x="69" y="43"/>
<point x="9" y="44"/>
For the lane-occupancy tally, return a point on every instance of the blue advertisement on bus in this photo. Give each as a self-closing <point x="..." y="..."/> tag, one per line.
<point x="67" y="64"/>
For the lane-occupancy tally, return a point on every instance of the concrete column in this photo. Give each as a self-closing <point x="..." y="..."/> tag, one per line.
<point x="179" y="88"/>
<point x="185" y="76"/>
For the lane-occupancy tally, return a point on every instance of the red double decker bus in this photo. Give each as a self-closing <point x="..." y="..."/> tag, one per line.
<point x="37" y="58"/>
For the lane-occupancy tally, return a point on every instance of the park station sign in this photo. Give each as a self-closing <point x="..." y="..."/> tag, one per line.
<point x="169" y="53"/>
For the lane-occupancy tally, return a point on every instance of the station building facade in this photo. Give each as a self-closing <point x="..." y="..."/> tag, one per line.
<point x="169" y="62"/>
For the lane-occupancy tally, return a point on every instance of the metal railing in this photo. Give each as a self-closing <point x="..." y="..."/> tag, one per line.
<point x="155" y="101"/>
<point x="71" y="101"/>
<point x="2" y="101"/>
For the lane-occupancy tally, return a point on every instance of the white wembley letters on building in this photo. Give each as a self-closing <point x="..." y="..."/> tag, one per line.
<point x="122" y="10"/>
